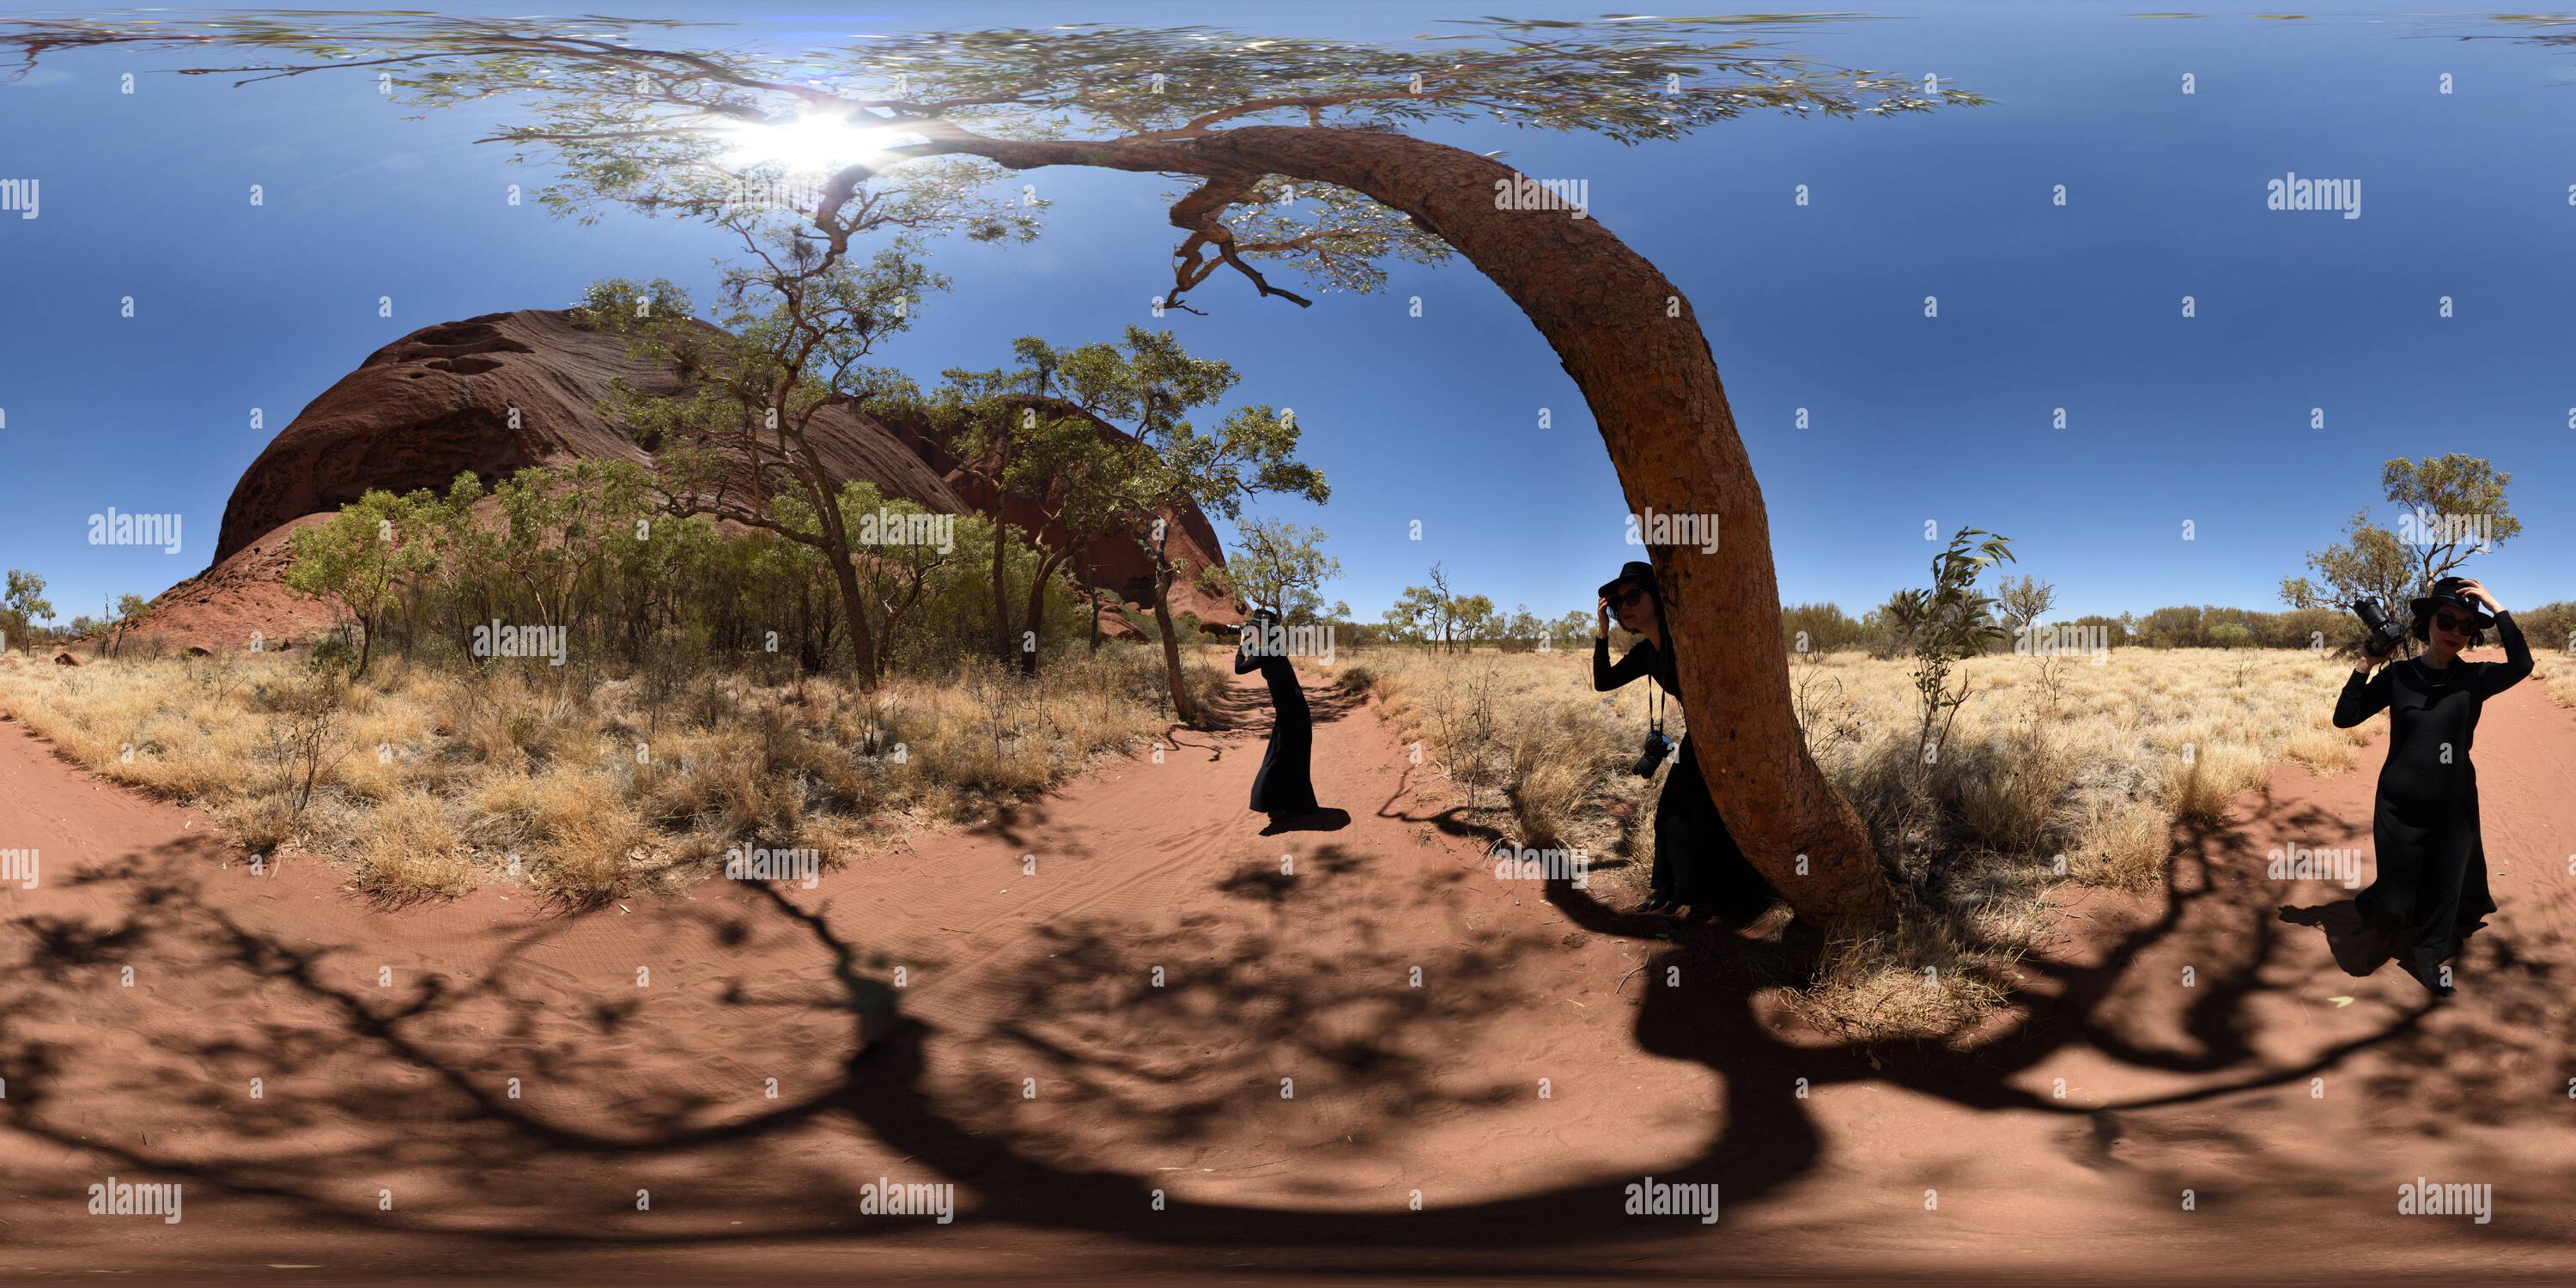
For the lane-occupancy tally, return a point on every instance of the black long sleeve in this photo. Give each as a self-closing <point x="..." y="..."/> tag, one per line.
<point x="1245" y="659"/>
<point x="2361" y="698"/>
<point x="1606" y="677"/>
<point x="2496" y="677"/>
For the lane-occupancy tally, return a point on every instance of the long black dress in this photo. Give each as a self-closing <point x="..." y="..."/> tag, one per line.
<point x="2432" y="881"/>
<point x="1285" y="786"/>
<point x="1697" y="863"/>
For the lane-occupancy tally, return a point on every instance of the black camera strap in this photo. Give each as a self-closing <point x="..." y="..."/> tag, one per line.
<point x="1654" y="706"/>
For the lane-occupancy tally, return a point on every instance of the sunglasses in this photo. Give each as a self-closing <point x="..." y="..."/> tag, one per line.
<point x="1628" y="600"/>
<point x="2451" y="622"/>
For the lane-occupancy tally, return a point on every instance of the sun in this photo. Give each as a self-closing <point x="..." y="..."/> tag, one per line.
<point x="809" y="144"/>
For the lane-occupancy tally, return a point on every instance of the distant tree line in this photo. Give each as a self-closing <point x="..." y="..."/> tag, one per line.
<point x="1825" y="627"/>
<point x="1437" y="617"/>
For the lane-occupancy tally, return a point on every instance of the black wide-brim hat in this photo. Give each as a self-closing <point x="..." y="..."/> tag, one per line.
<point x="2446" y="594"/>
<point x="1636" y="570"/>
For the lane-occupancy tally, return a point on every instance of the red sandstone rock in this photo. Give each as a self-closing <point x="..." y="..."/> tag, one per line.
<point x="440" y="402"/>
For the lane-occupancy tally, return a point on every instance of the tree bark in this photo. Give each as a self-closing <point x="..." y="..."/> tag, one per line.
<point x="1094" y="591"/>
<point x="1183" y="709"/>
<point x="1037" y="608"/>
<point x="863" y="657"/>
<point x="1634" y="348"/>
<point x="1001" y="589"/>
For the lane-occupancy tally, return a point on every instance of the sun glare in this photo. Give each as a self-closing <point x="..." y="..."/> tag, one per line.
<point x="809" y="143"/>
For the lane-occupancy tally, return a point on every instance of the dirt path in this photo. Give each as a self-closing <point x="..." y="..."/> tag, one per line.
<point x="1136" y="1042"/>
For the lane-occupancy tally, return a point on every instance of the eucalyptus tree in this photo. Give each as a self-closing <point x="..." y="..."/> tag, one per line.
<point x="1281" y="564"/>
<point x="1169" y="467"/>
<point x="22" y="606"/>
<point x="1081" y="477"/>
<point x="358" y="559"/>
<point x="737" y="436"/>
<point x="1299" y="155"/>
<point x="1032" y="436"/>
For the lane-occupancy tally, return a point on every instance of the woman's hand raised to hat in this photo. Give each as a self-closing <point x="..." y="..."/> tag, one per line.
<point x="2474" y="589"/>
<point x="1603" y="628"/>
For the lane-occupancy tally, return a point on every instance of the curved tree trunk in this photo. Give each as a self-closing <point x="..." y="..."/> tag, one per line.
<point x="1037" y="610"/>
<point x="1183" y="709"/>
<point x="833" y="543"/>
<point x="863" y="655"/>
<point x="1634" y="348"/>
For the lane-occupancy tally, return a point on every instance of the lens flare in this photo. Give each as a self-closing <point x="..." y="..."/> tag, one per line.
<point x="809" y="144"/>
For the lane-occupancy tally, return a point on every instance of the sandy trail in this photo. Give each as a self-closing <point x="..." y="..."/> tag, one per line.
<point x="1138" y="1044"/>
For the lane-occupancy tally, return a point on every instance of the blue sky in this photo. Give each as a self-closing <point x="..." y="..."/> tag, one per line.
<point x="1436" y="418"/>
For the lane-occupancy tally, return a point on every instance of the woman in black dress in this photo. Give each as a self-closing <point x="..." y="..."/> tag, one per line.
<point x="1285" y="787"/>
<point x="1697" y="864"/>
<point x="2432" y="884"/>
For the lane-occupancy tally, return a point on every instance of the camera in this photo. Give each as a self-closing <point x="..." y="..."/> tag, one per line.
<point x="2385" y="635"/>
<point x="1658" y="750"/>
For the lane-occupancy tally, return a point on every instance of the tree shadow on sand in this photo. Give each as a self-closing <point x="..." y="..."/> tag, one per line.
<point x="1163" y="1037"/>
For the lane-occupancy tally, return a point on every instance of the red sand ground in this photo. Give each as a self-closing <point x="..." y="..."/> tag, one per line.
<point x="1043" y="1073"/>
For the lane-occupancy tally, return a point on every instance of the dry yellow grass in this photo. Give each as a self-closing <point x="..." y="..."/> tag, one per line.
<point x="429" y="782"/>
<point x="2123" y="846"/>
<point x="1923" y="977"/>
<point x="405" y="848"/>
<point x="2053" y="771"/>
<point x="1521" y="734"/>
<point x="2033" y="762"/>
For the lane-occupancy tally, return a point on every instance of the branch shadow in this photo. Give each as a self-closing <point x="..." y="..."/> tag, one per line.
<point x="489" y="1092"/>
